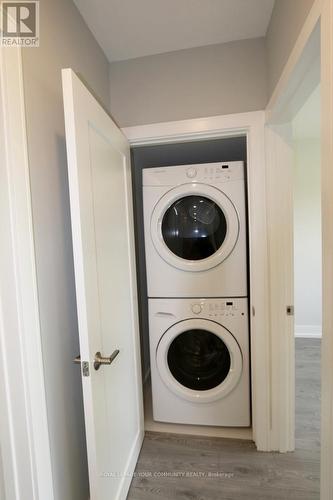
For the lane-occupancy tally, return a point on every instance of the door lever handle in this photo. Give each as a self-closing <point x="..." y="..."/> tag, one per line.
<point x="77" y="360"/>
<point x="100" y="360"/>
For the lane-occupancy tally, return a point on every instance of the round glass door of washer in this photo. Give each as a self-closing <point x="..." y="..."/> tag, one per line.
<point x="194" y="227"/>
<point x="199" y="360"/>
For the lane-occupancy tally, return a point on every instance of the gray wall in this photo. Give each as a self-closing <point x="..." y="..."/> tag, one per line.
<point x="191" y="83"/>
<point x="307" y="237"/>
<point x="65" y="42"/>
<point x="218" y="79"/>
<point x="287" y="20"/>
<point x="307" y="217"/>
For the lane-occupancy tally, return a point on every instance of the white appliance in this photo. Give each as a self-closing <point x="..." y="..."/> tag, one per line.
<point x="195" y="230"/>
<point x="199" y="353"/>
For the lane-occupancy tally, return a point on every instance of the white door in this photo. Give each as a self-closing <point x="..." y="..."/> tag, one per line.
<point x="104" y="260"/>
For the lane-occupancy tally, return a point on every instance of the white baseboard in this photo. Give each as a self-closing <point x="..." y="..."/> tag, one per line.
<point x="308" y="331"/>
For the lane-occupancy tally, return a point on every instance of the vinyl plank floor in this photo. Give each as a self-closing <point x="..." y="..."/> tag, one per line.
<point x="178" y="467"/>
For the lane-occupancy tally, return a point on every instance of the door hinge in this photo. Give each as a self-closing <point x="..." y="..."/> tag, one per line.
<point x="290" y="310"/>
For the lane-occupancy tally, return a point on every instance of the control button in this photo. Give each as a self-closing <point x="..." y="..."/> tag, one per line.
<point x="196" y="308"/>
<point x="191" y="172"/>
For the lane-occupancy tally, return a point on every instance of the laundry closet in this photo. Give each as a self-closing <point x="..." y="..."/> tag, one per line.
<point x="191" y="232"/>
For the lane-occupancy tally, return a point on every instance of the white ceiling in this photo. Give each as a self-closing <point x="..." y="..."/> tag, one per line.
<point x="127" y="29"/>
<point x="306" y="124"/>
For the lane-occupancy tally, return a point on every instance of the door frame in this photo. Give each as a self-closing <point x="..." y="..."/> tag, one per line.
<point x="26" y="454"/>
<point x="281" y="108"/>
<point x="252" y="125"/>
<point x="300" y="76"/>
<point x="326" y="485"/>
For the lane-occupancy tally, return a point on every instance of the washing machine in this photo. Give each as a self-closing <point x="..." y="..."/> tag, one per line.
<point x="199" y="353"/>
<point x="195" y="230"/>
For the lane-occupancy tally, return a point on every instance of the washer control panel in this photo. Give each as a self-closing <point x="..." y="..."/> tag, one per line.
<point x="219" y="172"/>
<point x="170" y="311"/>
<point x="217" y="308"/>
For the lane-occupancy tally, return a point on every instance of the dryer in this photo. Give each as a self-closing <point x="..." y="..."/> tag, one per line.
<point x="199" y="353"/>
<point x="195" y="230"/>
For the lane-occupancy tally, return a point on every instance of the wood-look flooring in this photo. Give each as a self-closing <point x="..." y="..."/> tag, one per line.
<point x="178" y="467"/>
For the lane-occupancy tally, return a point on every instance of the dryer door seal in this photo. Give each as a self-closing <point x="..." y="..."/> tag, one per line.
<point x="199" y="360"/>
<point x="194" y="227"/>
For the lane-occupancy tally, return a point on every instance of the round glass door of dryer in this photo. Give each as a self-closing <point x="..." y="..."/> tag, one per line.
<point x="194" y="227"/>
<point x="199" y="360"/>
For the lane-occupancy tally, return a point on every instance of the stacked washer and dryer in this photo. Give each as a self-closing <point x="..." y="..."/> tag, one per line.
<point x="196" y="263"/>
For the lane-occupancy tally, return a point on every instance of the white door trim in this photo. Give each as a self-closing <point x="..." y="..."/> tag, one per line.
<point x="251" y="125"/>
<point x="279" y="173"/>
<point x="24" y="432"/>
<point x="194" y="129"/>
<point x="326" y="486"/>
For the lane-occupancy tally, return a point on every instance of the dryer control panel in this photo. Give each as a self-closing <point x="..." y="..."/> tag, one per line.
<point x="207" y="173"/>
